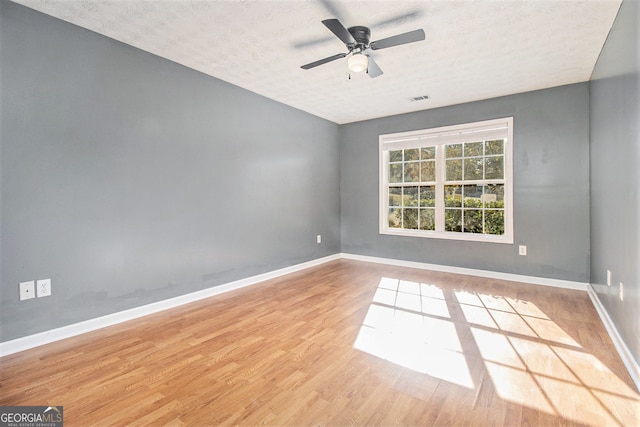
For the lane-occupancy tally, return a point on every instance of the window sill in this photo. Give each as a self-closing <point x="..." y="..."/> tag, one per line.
<point x="448" y="235"/>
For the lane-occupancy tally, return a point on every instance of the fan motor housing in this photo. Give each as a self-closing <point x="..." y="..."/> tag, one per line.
<point x="361" y="34"/>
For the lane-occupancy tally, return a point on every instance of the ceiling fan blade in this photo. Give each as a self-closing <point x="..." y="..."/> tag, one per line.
<point x="339" y="30"/>
<point x="323" y="61"/>
<point x="404" y="38"/>
<point x="373" y="70"/>
<point x="331" y="9"/>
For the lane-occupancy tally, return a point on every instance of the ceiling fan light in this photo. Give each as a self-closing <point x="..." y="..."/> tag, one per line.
<point x="358" y="63"/>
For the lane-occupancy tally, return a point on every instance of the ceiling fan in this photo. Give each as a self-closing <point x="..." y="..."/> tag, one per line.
<point x="356" y="39"/>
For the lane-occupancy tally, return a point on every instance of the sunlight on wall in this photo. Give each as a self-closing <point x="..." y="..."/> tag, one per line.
<point x="529" y="359"/>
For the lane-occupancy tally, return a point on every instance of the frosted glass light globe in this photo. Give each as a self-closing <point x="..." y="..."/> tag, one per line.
<point x="358" y="63"/>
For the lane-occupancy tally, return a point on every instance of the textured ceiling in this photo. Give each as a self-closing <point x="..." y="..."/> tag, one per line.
<point x="474" y="49"/>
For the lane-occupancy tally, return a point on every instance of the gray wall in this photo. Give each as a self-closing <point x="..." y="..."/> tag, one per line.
<point x="551" y="186"/>
<point x="615" y="180"/>
<point x="128" y="179"/>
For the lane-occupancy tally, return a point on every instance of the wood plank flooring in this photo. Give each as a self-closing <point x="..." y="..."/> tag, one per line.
<point x="345" y="343"/>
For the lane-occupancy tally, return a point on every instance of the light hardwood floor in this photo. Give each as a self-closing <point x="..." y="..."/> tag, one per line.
<point x="345" y="343"/>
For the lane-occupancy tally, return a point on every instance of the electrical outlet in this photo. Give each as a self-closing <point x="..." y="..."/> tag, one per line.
<point x="27" y="290"/>
<point x="43" y="288"/>
<point x="608" y="277"/>
<point x="621" y="292"/>
<point x="318" y="238"/>
<point x="522" y="250"/>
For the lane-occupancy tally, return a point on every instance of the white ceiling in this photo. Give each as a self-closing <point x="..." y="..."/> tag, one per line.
<point x="474" y="49"/>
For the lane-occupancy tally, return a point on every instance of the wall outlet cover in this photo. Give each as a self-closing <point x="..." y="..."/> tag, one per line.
<point x="621" y="292"/>
<point x="43" y="288"/>
<point x="27" y="290"/>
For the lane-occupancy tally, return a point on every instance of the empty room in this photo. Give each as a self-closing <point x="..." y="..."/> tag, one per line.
<point x="292" y="213"/>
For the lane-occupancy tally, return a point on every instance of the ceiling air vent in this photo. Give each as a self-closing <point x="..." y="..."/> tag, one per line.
<point x="419" y="98"/>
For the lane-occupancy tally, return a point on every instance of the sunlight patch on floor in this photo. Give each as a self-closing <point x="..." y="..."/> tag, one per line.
<point x="532" y="361"/>
<point x="509" y="315"/>
<point x="529" y="359"/>
<point x="408" y="324"/>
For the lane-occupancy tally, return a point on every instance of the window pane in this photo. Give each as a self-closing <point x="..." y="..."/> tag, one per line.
<point x="427" y="219"/>
<point x="395" y="156"/>
<point x="395" y="172"/>
<point x="427" y="196"/>
<point x="395" y="196"/>
<point x="411" y="154"/>
<point x="473" y="220"/>
<point x="472" y="196"/>
<point x="410" y="218"/>
<point x="428" y="170"/>
<point x="395" y="221"/>
<point x="493" y="196"/>
<point x="453" y="220"/>
<point x="494" y="167"/>
<point x="453" y="195"/>
<point x="410" y="196"/>
<point x="454" y="170"/>
<point x="494" y="222"/>
<point x="428" y="153"/>
<point x="453" y="150"/>
<point x="473" y="149"/>
<point x="473" y="168"/>
<point x="494" y="147"/>
<point x="412" y="172"/>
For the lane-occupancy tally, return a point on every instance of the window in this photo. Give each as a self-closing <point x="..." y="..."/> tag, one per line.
<point x="453" y="182"/>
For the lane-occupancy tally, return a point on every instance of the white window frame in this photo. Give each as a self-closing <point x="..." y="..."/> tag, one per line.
<point x="469" y="132"/>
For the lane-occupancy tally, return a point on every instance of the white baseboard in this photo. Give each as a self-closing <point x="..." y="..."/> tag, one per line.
<point x="567" y="284"/>
<point x="46" y="337"/>
<point x="625" y="354"/>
